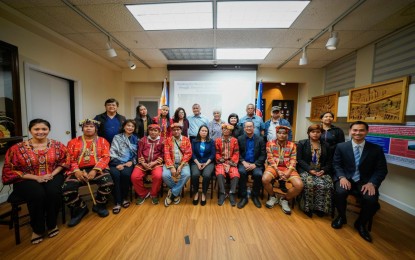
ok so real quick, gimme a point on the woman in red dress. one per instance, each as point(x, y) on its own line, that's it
point(35, 168)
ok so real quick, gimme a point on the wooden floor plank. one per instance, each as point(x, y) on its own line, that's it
point(155, 232)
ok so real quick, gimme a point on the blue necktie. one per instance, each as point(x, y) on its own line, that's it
point(356, 175)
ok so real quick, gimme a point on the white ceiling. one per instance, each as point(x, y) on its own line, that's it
point(372, 20)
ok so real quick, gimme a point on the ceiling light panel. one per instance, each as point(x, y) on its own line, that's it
point(242, 54)
point(173, 16)
point(259, 14)
point(188, 54)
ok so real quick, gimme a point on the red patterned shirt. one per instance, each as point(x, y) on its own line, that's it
point(282, 155)
point(185, 151)
point(22, 159)
point(88, 153)
point(227, 151)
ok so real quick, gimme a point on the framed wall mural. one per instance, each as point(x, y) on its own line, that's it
point(383, 102)
point(322, 104)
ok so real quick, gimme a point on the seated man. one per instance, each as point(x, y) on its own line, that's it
point(177, 153)
point(227, 157)
point(89, 156)
point(150, 160)
point(281, 157)
point(251, 160)
point(359, 166)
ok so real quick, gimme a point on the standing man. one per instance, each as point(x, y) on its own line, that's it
point(257, 120)
point(110, 120)
point(89, 156)
point(177, 154)
point(273, 122)
point(196, 121)
point(252, 157)
point(359, 166)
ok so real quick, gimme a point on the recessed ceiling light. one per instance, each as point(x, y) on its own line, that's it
point(173, 16)
point(258, 14)
point(242, 54)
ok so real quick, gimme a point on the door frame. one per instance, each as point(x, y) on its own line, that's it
point(76, 96)
point(137, 99)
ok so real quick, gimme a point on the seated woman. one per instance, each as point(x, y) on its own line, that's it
point(314, 164)
point(123, 154)
point(203, 158)
point(180, 118)
point(238, 130)
point(35, 168)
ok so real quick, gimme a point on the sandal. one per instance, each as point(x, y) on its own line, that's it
point(125, 204)
point(53, 232)
point(116, 209)
point(36, 240)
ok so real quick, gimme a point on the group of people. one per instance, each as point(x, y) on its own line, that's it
point(116, 153)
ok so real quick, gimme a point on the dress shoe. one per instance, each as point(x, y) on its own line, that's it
point(232, 199)
point(78, 214)
point(256, 201)
point(338, 222)
point(242, 203)
point(203, 202)
point(101, 210)
point(319, 213)
point(362, 231)
point(309, 213)
point(195, 201)
point(221, 199)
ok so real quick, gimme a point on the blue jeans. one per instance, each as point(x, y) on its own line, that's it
point(176, 188)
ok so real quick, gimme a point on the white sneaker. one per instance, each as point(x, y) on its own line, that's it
point(271, 202)
point(168, 199)
point(285, 207)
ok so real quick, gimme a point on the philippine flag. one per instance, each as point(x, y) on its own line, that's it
point(259, 100)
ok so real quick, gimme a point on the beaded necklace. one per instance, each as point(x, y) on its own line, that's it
point(87, 152)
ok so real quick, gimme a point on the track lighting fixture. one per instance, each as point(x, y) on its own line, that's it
point(333, 40)
point(303, 59)
point(110, 51)
point(131, 64)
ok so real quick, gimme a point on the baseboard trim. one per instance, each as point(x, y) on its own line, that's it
point(396, 203)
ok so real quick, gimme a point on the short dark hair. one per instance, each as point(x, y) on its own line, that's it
point(35, 121)
point(359, 123)
point(132, 121)
point(233, 115)
point(328, 112)
point(111, 100)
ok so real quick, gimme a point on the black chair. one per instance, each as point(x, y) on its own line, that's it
point(16, 203)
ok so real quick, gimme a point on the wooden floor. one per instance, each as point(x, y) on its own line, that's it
point(155, 232)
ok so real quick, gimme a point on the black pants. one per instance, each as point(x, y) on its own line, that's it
point(369, 204)
point(71, 186)
point(43, 201)
point(256, 175)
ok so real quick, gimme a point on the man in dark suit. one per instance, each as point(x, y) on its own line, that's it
point(252, 156)
point(359, 166)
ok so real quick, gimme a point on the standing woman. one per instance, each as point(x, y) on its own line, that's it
point(332, 134)
point(142, 120)
point(164, 121)
point(233, 119)
point(35, 168)
point(215, 126)
point(123, 154)
point(314, 163)
point(180, 118)
point(203, 158)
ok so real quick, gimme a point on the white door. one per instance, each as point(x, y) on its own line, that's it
point(48, 97)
